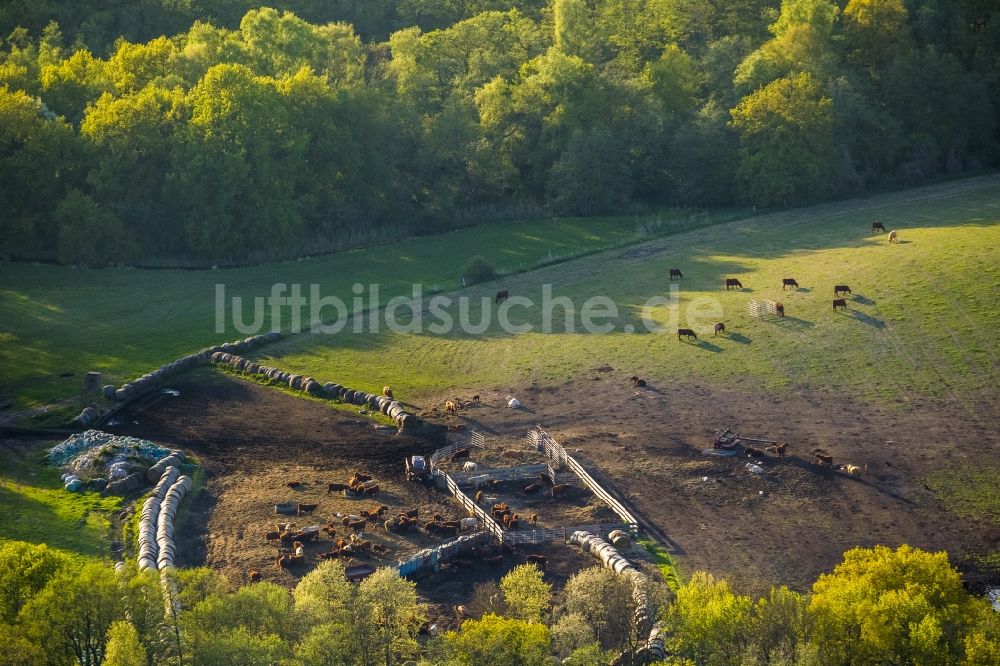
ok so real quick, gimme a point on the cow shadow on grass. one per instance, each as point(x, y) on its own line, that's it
point(707, 346)
point(801, 290)
point(867, 319)
point(739, 338)
point(862, 300)
point(794, 323)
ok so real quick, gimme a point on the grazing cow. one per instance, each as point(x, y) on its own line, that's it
point(780, 309)
point(387, 392)
point(789, 282)
point(686, 332)
point(560, 489)
point(305, 508)
point(451, 406)
point(754, 452)
point(841, 289)
point(533, 518)
point(475, 398)
point(877, 226)
point(469, 466)
point(272, 536)
point(824, 460)
point(537, 560)
point(502, 296)
point(675, 273)
point(893, 237)
point(533, 488)
point(461, 453)
point(358, 477)
point(733, 282)
point(254, 576)
point(335, 487)
point(778, 449)
point(294, 484)
point(839, 303)
point(719, 328)
point(636, 382)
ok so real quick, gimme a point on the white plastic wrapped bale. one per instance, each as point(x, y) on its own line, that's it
point(155, 472)
point(165, 521)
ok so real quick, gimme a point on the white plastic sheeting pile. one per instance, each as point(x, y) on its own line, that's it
point(612, 559)
point(156, 524)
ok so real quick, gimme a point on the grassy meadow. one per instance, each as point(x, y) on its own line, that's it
point(56, 323)
point(920, 323)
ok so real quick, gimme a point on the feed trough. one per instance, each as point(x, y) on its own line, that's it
point(358, 572)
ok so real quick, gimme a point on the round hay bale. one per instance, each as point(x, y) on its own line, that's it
point(295, 382)
point(108, 391)
point(348, 396)
point(406, 421)
point(272, 336)
point(620, 539)
point(372, 401)
point(312, 388)
point(306, 380)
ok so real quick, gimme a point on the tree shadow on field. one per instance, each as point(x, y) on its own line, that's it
point(793, 323)
point(867, 319)
point(739, 338)
point(863, 300)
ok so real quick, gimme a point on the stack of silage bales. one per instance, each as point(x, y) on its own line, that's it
point(165, 523)
point(148, 522)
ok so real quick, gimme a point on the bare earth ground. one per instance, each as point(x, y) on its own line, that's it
point(252, 441)
point(786, 527)
point(796, 521)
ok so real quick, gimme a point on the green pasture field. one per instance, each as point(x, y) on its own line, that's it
point(921, 322)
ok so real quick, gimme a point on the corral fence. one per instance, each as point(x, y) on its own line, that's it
point(432, 557)
point(516, 473)
point(474, 440)
point(760, 308)
point(540, 440)
point(544, 535)
point(489, 525)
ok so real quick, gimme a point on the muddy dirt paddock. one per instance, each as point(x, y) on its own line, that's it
point(787, 525)
point(253, 441)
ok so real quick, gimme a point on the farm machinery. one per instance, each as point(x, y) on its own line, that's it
point(729, 439)
point(417, 469)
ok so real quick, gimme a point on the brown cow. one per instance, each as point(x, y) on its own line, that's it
point(734, 283)
point(479, 496)
point(533, 518)
point(778, 449)
point(537, 560)
point(840, 303)
point(335, 487)
point(788, 282)
point(254, 576)
point(636, 382)
point(560, 489)
point(824, 460)
point(719, 328)
point(272, 536)
point(780, 309)
point(387, 392)
point(686, 332)
point(475, 398)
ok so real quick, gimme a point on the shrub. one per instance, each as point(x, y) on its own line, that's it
point(478, 270)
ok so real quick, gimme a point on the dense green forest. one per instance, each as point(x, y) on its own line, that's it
point(211, 132)
point(879, 606)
